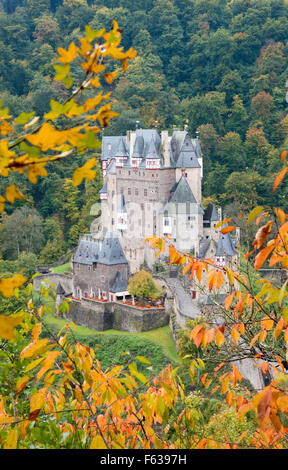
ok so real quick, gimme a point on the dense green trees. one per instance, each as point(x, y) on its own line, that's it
point(223, 65)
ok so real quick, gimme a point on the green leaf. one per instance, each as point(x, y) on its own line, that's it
point(24, 117)
point(254, 213)
point(61, 71)
point(91, 34)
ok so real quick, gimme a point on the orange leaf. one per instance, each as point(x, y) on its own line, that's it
point(235, 334)
point(228, 300)
point(280, 178)
point(227, 229)
point(283, 155)
point(282, 402)
point(219, 338)
point(262, 256)
point(261, 235)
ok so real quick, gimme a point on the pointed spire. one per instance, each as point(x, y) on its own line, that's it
point(138, 147)
point(121, 149)
point(152, 151)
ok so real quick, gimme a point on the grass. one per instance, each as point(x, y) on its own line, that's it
point(161, 338)
point(61, 269)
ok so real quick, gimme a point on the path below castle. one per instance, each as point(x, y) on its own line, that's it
point(188, 308)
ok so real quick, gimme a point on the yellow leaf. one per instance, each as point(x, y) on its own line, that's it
point(98, 443)
point(37, 400)
point(11, 440)
point(7, 325)
point(34, 349)
point(36, 332)
point(21, 383)
point(12, 193)
point(34, 171)
point(84, 172)
point(67, 56)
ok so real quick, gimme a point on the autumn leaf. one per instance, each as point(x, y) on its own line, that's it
point(280, 178)
point(7, 325)
point(84, 172)
point(11, 440)
point(12, 193)
point(67, 56)
point(227, 229)
point(261, 235)
point(253, 214)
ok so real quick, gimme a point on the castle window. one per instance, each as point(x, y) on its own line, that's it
point(142, 207)
point(193, 293)
point(145, 192)
point(121, 191)
point(129, 191)
point(136, 192)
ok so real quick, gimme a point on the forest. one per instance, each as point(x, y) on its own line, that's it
point(219, 67)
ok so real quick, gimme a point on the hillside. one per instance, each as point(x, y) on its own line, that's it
point(221, 65)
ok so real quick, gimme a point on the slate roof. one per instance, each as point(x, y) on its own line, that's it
point(109, 141)
point(151, 140)
point(121, 150)
point(120, 283)
point(152, 151)
point(225, 245)
point(182, 199)
point(87, 252)
point(111, 251)
point(138, 147)
point(187, 157)
point(111, 170)
point(197, 146)
point(182, 192)
point(103, 190)
point(210, 213)
point(108, 251)
point(204, 245)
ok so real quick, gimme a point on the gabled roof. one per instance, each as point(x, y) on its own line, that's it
point(109, 147)
point(225, 246)
point(176, 144)
point(87, 252)
point(187, 157)
point(182, 200)
point(138, 147)
point(111, 251)
point(182, 192)
point(210, 213)
point(121, 150)
point(152, 151)
point(120, 283)
point(204, 246)
point(148, 135)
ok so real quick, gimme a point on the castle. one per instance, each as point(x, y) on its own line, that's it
point(152, 187)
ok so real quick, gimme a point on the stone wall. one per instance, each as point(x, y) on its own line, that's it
point(102, 316)
point(53, 279)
